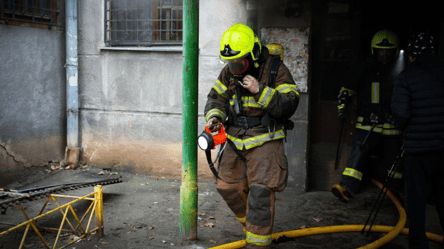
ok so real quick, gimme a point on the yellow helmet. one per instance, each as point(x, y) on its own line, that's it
point(385, 39)
point(240, 47)
point(385, 45)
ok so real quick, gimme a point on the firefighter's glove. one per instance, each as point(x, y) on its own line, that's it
point(251, 84)
point(343, 97)
point(214, 124)
point(343, 100)
point(341, 112)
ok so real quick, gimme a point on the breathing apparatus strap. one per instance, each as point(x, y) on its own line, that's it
point(211, 163)
point(274, 67)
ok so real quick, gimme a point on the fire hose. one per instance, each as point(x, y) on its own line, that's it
point(391, 231)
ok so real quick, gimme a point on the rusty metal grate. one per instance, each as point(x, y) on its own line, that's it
point(17, 12)
point(78, 226)
point(10, 198)
point(143, 22)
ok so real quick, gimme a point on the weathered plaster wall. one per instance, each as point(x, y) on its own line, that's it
point(131, 103)
point(295, 44)
point(32, 98)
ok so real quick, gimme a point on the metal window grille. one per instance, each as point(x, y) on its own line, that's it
point(143, 22)
point(30, 11)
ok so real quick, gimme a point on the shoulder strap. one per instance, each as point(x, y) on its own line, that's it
point(274, 67)
point(211, 163)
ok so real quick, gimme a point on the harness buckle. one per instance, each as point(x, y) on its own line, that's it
point(242, 121)
point(274, 129)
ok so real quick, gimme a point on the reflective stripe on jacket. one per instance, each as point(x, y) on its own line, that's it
point(279, 102)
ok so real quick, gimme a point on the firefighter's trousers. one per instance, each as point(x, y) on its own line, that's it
point(375, 158)
point(249, 187)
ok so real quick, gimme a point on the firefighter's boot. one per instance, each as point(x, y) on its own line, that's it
point(342, 193)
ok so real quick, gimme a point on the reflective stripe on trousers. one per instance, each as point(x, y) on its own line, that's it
point(353, 173)
point(258, 240)
point(386, 129)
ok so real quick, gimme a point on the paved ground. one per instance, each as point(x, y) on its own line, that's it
point(143, 212)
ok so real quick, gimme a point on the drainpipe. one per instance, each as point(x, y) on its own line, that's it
point(72, 97)
point(188, 189)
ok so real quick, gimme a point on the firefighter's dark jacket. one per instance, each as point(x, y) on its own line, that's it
point(373, 82)
point(418, 105)
point(279, 102)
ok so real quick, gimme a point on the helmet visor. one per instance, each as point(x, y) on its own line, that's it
point(385, 55)
point(239, 65)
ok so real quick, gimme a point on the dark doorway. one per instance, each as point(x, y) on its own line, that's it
point(341, 32)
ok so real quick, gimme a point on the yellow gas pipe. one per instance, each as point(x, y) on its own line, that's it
point(392, 232)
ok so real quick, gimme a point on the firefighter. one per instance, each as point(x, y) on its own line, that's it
point(376, 141)
point(253, 165)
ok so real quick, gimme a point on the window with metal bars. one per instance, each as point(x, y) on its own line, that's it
point(143, 22)
point(33, 13)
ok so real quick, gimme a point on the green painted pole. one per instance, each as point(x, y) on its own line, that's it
point(188, 189)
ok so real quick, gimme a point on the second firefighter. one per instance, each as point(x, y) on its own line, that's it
point(376, 142)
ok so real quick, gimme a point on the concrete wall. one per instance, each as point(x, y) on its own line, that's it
point(130, 102)
point(32, 99)
point(131, 98)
